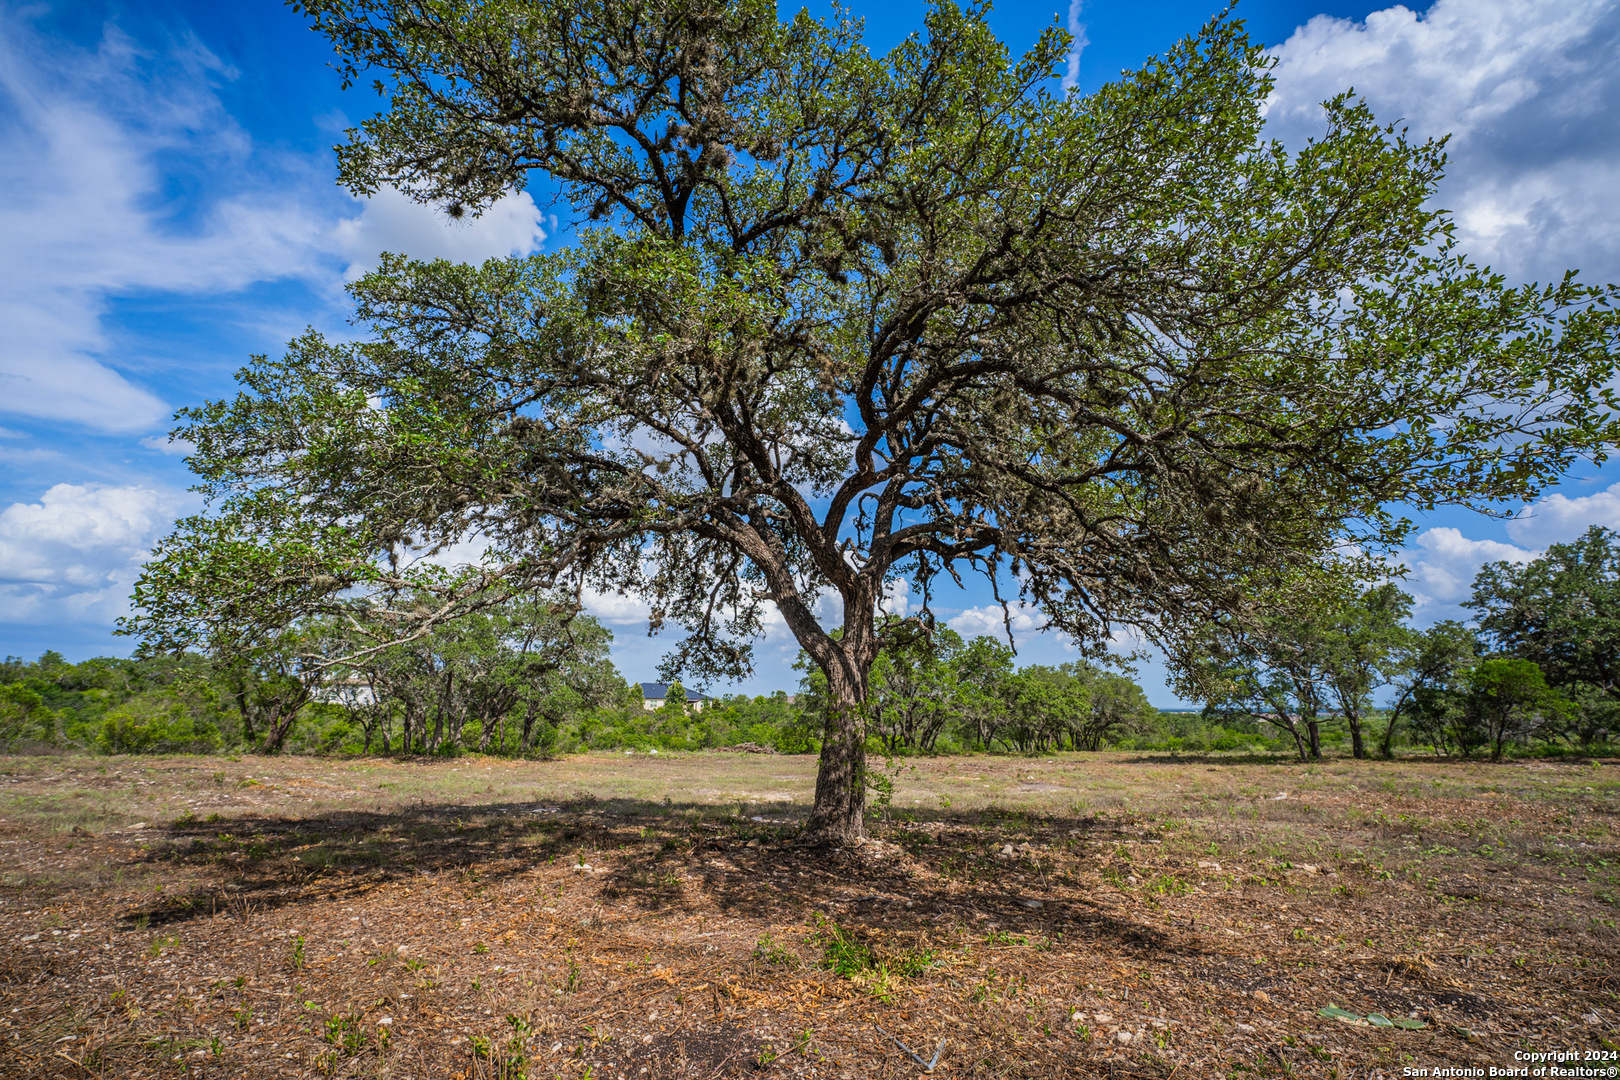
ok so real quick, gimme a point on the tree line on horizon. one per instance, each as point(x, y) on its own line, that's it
point(1540, 664)
point(532, 677)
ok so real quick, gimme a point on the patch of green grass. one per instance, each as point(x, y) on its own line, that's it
point(771, 953)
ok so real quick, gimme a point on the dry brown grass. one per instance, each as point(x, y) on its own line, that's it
point(1153, 917)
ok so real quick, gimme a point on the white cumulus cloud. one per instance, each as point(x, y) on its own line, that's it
point(1526, 88)
point(990, 620)
point(392, 221)
point(75, 554)
point(1558, 519)
point(1441, 568)
point(616, 609)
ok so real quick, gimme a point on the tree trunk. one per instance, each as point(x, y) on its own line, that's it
point(249, 736)
point(280, 725)
point(438, 717)
point(839, 815)
point(1313, 730)
point(1386, 742)
point(1358, 749)
point(528, 728)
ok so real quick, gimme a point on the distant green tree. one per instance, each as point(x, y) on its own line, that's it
point(1429, 673)
point(24, 716)
point(1508, 700)
point(915, 692)
point(1365, 643)
point(984, 669)
point(1562, 613)
point(1116, 706)
point(1045, 706)
point(271, 676)
point(1275, 668)
point(532, 660)
point(1304, 661)
point(173, 720)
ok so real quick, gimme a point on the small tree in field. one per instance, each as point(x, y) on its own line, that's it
point(830, 320)
point(1508, 700)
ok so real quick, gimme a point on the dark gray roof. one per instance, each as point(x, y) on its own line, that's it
point(659, 691)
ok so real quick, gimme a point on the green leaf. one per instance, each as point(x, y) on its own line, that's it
point(1336, 1013)
point(1379, 1020)
point(1410, 1025)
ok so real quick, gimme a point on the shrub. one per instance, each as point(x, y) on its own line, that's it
point(158, 723)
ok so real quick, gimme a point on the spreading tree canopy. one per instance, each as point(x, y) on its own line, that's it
point(829, 319)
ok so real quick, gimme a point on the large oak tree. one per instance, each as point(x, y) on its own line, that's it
point(830, 319)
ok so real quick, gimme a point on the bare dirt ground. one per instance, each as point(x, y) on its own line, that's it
point(633, 917)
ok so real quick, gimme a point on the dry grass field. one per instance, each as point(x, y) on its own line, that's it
point(632, 917)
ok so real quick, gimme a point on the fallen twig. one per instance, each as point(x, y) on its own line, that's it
point(927, 1066)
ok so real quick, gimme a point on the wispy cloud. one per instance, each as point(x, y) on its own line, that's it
point(86, 218)
point(1077, 44)
point(94, 139)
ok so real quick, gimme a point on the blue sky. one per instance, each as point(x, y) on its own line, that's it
point(169, 209)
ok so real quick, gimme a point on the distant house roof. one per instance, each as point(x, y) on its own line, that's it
point(659, 691)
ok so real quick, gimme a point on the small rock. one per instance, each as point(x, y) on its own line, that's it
point(583, 868)
point(1123, 1037)
point(1247, 1029)
point(652, 751)
point(1262, 997)
point(385, 1020)
point(1105, 1018)
point(1131, 878)
point(1007, 849)
point(1203, 865)
point(1591, 1018)
point(1077, 1016)
point(1279, 796)
point(1309, 869)
point(1033, 905)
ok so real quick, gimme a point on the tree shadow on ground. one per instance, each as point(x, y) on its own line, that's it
point(989, 870)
